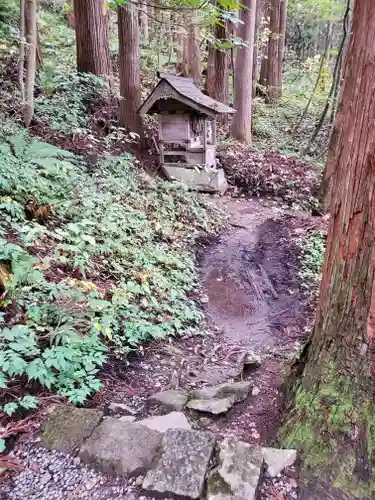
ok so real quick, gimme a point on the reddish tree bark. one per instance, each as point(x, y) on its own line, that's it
point(217, 81)
point(273, 84)
point(335, 398)
point(130, 74)
point(92, 37)
point(241, 125)
point(191, 51)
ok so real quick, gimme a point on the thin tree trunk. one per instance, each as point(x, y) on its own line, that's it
point(273, 84)
point(323, 60)
point(193, 52)
point(21, 64)
point(130, 74)
point(143, 18)
point(281, 46)
point(256, 45)
point(241, 126)
point(335, 74)
point(210, 78)
point(332, 420)
point(219, 90)
point(31, 38)
point(92, 37)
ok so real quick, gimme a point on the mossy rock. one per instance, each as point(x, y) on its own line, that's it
point(67, 427)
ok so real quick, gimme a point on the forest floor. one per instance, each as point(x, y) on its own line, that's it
point(253, 300)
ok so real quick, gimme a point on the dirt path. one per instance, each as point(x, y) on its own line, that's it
point(252, 301)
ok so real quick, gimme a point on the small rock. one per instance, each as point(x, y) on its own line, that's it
point(276, 460)
point(139, 481)
point(91, 483)
point(238, 473)
point(238, 390)
point(172, 400)
point(45, 478)
point(173, 420)
point(127, 418)
point(252, 360)
point(121, 408)
point(215, 406)
point(255, 391)
point(76, 461)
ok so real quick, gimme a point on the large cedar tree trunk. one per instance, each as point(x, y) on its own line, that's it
point(92, 37)
point(243, 75)
point(333, 417)
point(130, 73)
point(273, 84)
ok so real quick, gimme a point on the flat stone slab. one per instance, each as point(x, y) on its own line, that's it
point(207, 180)
point(121, 448)
point(67, 427)
point(181, 467)
point(214, 406)
point(276, 460)
point(239, 472)
point(239, 391)
point(173, 420)
point(172, 400)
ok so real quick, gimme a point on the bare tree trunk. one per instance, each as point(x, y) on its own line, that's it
point(219, 88)
point(273, 83)
point(210, 79)
point(241, 126)
point(31, 38)
point(192, 52)
point(256, 45)
point(71, 18)
point(92, 37)
point(281, 46)
point(143, 19)
point(130, 74)
point(21, 64)
point(323, 60)
point(332, 419)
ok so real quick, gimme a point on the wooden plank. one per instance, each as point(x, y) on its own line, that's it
point(175, 153)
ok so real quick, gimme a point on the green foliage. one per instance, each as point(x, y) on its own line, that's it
point(112, 264)
point(66, 110)
point(8, 16)
point(312, 254)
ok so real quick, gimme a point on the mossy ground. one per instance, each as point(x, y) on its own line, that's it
point(332, 424)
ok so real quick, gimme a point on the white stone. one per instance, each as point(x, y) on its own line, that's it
point(276, 460)
point(173, 420)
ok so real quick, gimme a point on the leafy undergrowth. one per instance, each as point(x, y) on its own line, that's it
point(312, 247)
point(258, 173)
point(90, 263)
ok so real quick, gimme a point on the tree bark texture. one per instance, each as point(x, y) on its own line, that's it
point(218, 84)
point(256, 44)
point(143, 21)
point(192, 54)
point(31, 59)
point(281, 46)
point(243, 75)
point(130, 74)
point(92, 40)
point(273, 83)
point(335, 398)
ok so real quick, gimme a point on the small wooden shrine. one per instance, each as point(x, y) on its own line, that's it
point(187, 125)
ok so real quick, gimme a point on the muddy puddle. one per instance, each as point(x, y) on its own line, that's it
point(249, 281)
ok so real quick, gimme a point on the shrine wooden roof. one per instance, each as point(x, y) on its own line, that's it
point(182, 90)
